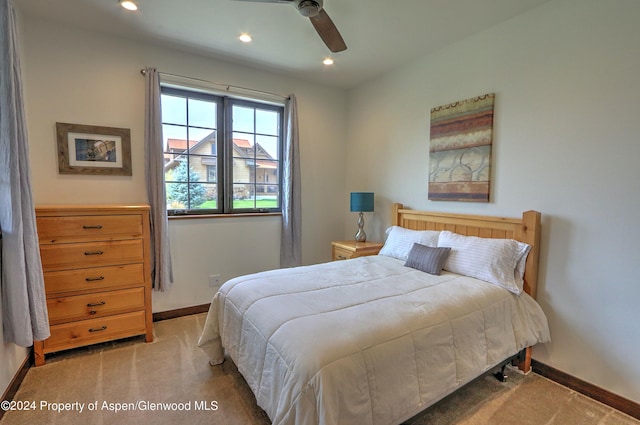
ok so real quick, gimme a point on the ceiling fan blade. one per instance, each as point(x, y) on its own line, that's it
point(328, 32)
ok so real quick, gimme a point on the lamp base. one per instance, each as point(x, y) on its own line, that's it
point(361, 236)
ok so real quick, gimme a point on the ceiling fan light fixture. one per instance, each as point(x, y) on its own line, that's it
point(245, 38)
point(328, 61)
point(128, 4)
point(309, 8)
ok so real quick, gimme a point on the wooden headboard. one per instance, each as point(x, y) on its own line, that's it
point(525, 229)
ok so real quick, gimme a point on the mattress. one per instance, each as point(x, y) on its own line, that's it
point(363, 341)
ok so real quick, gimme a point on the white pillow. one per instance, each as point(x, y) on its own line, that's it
point(497, 261)
point(400, 241)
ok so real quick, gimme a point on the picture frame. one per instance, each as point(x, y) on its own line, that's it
point(93, 150)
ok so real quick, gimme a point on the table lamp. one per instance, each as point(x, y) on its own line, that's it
point(361, 202)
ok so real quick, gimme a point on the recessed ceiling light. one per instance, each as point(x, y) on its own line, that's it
point(245, 38)
point(129, 4)
point(327, 61)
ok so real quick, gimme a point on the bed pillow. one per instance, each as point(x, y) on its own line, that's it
point(400, 241)
point(497, 261)
point(427, 259)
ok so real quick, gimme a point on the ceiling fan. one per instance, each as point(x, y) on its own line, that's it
point(323, 24)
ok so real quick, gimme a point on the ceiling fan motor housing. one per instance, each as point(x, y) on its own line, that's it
point(309, 8)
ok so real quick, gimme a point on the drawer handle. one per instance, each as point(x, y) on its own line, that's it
point(102, 328)
point(93, 279)
point(95, 226)
point(96, 304)
point(93, 253)
point(341, 257)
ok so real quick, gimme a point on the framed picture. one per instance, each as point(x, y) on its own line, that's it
point(93, 150)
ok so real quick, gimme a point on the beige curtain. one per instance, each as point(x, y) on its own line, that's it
point(162, 269)
point(291, 237)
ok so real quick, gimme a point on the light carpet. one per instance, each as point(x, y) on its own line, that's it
point(169, 381)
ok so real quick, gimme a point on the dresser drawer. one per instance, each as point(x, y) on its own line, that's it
point(91, 254)
point(83, 227)
point(341, 253)
point(70, 335)
point(93, 279)
point(89, 306)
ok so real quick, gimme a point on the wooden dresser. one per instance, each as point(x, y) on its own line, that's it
point(97, 274)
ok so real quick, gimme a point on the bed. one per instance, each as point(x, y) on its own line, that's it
point(376, 340)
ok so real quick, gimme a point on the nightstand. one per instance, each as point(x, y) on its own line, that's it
point(344, 250)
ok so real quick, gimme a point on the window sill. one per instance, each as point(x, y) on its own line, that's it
point(196, 216)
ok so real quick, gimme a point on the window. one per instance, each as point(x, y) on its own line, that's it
point(221, 155)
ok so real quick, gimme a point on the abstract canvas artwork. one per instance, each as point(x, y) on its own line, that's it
point(460, 150)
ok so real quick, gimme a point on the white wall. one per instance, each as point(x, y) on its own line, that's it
point(82, 77)
point(567, 119)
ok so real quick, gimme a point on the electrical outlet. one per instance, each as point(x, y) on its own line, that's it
point(214, 280)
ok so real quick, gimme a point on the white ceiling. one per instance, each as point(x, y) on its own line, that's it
point(380, 34)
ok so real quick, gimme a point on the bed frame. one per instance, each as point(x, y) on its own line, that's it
point(525, 229)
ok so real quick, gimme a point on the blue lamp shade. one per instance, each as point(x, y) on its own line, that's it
point(361, 201)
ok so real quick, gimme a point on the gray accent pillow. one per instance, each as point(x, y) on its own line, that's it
point(427, 259)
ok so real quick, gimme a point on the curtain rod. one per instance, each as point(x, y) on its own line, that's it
point(227, 86)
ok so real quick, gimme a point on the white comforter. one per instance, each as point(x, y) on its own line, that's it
point(363, 341)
